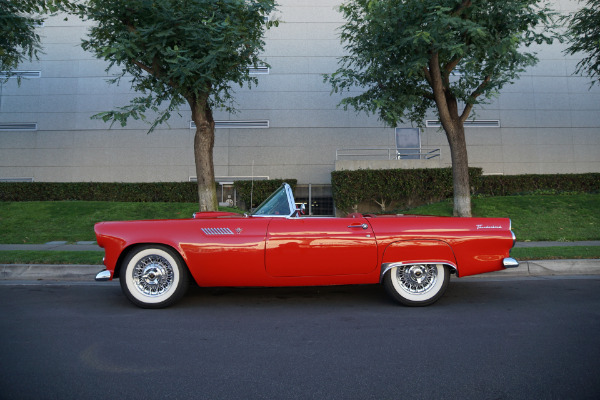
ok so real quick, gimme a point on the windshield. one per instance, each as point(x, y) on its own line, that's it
point(277, 204)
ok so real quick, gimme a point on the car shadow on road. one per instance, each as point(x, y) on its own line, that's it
point(458, 293)
point(315, 295)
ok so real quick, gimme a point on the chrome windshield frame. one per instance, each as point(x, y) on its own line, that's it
point(283, 189)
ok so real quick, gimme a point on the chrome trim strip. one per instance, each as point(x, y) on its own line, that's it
point(385, 267)
point(290, 197)
point(510, 263)
point(514, 237)
point(104, 275)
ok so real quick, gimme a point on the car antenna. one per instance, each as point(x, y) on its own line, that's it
point(252, 185)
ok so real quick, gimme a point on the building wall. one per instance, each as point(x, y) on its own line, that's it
point(549, 119)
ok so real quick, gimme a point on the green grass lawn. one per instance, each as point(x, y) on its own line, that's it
point(564, 218)
point(41, 222)
point(535, 218)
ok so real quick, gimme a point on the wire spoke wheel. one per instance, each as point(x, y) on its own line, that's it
point(417, 279)
point(417, 284)
point(153, 276)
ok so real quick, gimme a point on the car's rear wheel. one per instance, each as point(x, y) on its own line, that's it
point(418, 284)
point(153, 276)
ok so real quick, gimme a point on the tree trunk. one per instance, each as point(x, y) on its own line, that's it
point(460, 170)
point(453, 125)
point(204, 141)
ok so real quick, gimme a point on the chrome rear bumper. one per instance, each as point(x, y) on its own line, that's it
point(510, 263)
point(104, 275)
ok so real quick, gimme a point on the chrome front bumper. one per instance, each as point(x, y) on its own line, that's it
point(104, 275)
point(510, 263)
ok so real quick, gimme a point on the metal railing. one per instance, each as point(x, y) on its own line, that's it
point(387, 153)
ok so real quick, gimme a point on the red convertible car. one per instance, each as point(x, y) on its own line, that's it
point(412, 256)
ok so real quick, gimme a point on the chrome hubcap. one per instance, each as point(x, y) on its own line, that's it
point(153, 275)
point(417, 279)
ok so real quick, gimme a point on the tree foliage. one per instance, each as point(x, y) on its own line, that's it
point(409, 56)
point(19, 42)
point(176, 50)
point(180, 51)
point(479, 47)
point(584, 36)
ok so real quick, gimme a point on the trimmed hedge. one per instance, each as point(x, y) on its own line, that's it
point(178, 192)
point(404, 188)
point(506, 185)
point(400, 187)
point(169, 192)
point(260, 190)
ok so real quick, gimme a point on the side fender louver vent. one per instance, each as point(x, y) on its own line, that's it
point(217, 231)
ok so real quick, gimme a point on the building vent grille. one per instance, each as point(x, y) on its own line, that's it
point(229, 179)
point(18, 127)
point(259, 70)
point(16, 179)
point(249, 124)
point(477, 123)
point(21, 74)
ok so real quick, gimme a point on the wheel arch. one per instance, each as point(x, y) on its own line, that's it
point(418, 251)
point(386, 267)
point(131, 247)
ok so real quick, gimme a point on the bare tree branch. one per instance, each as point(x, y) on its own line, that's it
point(451, 65)
point(427, 75)
point(476, 93)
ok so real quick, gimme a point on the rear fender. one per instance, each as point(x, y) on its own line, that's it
point(408, 252)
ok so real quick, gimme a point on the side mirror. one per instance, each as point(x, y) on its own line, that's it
point(300, 210)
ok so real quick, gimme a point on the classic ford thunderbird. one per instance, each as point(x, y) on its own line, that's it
point(411, 256)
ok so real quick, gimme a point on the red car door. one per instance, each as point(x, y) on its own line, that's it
point(320, 247)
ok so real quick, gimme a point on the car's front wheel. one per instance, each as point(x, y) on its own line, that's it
point(418, 284)
point(153, 276)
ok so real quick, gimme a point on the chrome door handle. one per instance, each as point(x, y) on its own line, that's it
point(363, 226)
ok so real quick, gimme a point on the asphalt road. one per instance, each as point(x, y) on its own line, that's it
point(518, 338)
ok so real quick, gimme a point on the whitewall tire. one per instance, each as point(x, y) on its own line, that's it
point(417, 285)
point(153, 276)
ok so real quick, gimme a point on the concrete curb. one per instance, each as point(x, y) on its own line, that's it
point(63, 272)
point(51, 272)
point(563, 267)
point(548, 268)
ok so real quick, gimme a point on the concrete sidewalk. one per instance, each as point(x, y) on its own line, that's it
point(49, 272)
